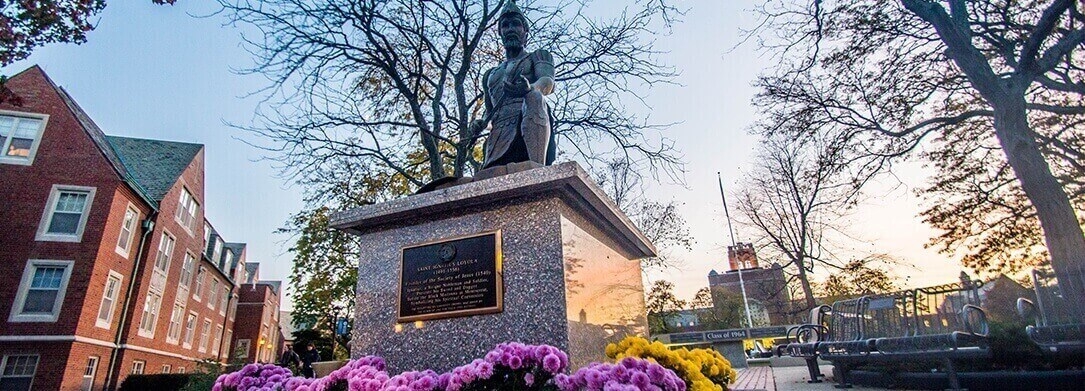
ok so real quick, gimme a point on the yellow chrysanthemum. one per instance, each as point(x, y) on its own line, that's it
point(701, 369)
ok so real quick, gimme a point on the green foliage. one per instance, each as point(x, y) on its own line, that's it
point(321, 342)
point(158, 382)
point(203, 378)
point(662, 306)
point(858, 277)
point(325, 267)
point(507, 379)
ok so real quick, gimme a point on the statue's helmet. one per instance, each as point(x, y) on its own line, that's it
point(511, 10)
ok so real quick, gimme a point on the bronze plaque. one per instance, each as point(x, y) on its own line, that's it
point(451, 278)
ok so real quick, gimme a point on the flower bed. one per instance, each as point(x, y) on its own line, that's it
point(509, 366)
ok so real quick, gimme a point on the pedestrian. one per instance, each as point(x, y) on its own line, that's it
point(308, 357)
point(290, 359)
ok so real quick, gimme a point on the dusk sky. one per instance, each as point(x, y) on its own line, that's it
point(159, 72)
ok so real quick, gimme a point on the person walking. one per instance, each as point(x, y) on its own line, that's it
point(290, 359)
point(308, 357)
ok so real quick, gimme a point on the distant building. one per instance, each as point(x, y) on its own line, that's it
point(108, 266)
point(257, 341)
point(766, 288)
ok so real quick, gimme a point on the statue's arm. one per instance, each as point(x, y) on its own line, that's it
point(488, 105)
point(544, 72)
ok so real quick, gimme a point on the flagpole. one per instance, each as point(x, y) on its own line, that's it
point(741, 282)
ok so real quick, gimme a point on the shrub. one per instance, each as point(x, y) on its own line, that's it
point(700, 369)
point(158, 382)
point(508, 367)
point(632, 374)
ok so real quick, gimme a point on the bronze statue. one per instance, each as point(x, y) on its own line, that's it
point(514, 92)
point(521, 135)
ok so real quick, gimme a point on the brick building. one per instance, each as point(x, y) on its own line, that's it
point(766, 287)
point(107, 264)
point(257, 341)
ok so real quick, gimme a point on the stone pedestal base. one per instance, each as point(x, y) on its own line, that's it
point(570, 269)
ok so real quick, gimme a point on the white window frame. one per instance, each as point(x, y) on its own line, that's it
point(212, 293)
point(188, 269)
point(217, 342)
point(217, 252)
point(33, 373)
point(176, 327)
point(43, 234)
point(205, 336)
point(88, 380)
point(163, 272)
point(166, 368)
point(107, 323)
point(191, 209)
point(181, 370)
point(223, 299)
point(131, 211)
point(190, 332)
point(233, 307)
point(200, 274)
point(229, 343)
point(147, 330)
point(138, 366)
point(206, 237)
point(4, 141)
point(242, 353)
point(24, 287)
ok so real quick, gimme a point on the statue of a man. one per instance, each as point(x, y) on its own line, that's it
point(514, 92)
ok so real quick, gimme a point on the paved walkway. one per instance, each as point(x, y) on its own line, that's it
point(754, 379)
point(765, 378)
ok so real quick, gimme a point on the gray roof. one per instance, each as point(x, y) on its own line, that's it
point(154, 164)
point(97, 136)
point(238, 249)
point(275, 285)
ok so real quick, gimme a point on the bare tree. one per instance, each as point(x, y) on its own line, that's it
point(660, 222)
point(893, 73)
point(378, 79)
point(793, 198)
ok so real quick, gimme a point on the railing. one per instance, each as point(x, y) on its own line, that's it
point(1059, 317)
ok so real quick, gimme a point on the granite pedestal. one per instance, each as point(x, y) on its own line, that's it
point(569, 262)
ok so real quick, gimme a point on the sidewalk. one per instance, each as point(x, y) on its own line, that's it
point(765, 378)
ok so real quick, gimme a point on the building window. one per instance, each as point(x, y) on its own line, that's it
point(180, 369)
point(190, 329)
point(65, 214)
point(149, 319)
point(205, 335)
point(186, 270)
point(225, 296)
point(212, 293)
point(217, 252)
point(19, 138)
point(229, 341)
point(166, 368)
point(128, 230)
point(162, 262)
point(233, 308)
point(186, 210)
point(109, 300)
point(88, 373)
point(218, 341)
point(18, 372)
point(199, 285)
point(41, 292)
point(206, 237)
point(242, 349)
point(173, 334)
point(137, 367)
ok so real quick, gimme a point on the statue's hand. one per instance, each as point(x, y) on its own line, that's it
point(517, 87)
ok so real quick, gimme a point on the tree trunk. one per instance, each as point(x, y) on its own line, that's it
point(1062, 232)
point(805, 281)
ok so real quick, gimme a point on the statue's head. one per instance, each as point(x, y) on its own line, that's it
point(513, 26)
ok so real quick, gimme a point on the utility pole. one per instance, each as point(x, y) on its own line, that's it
point(741, 282)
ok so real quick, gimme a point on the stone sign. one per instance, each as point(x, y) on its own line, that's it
point(451, 278)
point(726, 335)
